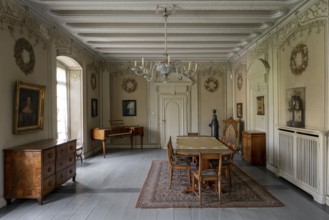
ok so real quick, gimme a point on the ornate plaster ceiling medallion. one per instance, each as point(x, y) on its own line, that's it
point(211, 84)
point(129, 85)
point(240, 81)
point(24, 55)
point(299, 59)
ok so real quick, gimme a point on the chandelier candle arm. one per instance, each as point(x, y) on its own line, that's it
point(165, 67)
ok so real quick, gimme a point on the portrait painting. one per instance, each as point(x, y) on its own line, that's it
point(29, 107)
point(239, 110)
point(260, 105)
point(94, 108)
point(129, 107)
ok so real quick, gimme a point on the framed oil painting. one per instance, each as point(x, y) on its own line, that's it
point(129, 107)
point(94, 107)
point(239, 110)
point(29, 107)
point(260, 105)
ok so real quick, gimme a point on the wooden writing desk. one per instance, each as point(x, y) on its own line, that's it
point(116, 130)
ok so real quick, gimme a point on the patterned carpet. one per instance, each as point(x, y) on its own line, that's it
point(244, 193)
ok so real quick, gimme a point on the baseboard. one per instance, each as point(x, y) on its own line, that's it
point(3, 202)
point(113, 146)
point(271, 168)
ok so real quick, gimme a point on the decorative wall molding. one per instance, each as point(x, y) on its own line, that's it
point(318, 11)
point(19, 19)
point(75, 74)
point(312, 19)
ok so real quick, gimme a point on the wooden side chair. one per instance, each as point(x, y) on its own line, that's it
point(193, 134)
point(204, 173)
point(79, 152)
point(231, 132)
point(177, 163)
point(227, 163)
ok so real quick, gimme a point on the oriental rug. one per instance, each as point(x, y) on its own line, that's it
point(245, 192)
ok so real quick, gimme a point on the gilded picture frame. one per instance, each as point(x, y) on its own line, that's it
point(29, 107)
point(260, 105)
point(239, 110)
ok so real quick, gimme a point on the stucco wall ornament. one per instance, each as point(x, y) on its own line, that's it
point(24, 55)
point(240, 81)
point(211, 84)
point(299, 59)
point(129, 85)
point(93, 81)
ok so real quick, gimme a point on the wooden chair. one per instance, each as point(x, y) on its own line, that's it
point(206, 174)
point(194, 159)
point(231, 132)
point(193, 134)
point(227, 163)
point(177, 163)
point(79, 152)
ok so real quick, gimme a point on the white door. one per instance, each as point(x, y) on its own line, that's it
point(172, 118)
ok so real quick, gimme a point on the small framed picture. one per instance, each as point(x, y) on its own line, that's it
point(129, 107)
point(239, 110)
point(29, 107)
point(94, 108)
point(260, 105)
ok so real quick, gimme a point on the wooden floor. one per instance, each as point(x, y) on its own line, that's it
point(108, 189)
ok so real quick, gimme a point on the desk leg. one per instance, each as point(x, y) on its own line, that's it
point(131, 141)
point(104, 149)
point(142, 141)
point(93, 146)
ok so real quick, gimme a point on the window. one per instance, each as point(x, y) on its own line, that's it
point(62, 106)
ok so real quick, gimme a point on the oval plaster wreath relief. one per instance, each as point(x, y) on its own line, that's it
point(299, 59)
point(93, 81)
point(24, 55)
point(240, 81)
point(129, 85)
point(211, 84)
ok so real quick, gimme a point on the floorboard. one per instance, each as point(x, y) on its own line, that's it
point(108, 188)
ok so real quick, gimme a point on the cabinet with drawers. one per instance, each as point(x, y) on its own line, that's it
point(254, 147)
point(35, 169)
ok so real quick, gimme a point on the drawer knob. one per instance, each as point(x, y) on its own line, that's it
point(49, 183)
point(49, 169)
point(50, 155)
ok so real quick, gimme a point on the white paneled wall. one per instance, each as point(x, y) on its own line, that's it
point(303, 160)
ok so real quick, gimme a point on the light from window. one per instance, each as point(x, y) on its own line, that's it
point(62, 110)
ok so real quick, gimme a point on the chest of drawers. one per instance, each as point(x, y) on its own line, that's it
point(35, 169)
point(254, 147)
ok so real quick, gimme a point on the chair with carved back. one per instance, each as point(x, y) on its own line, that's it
point(193, 134)
point(205, 173)
point(177, 163)
point(231, 132)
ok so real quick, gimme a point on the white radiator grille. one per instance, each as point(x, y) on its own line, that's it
point(303, 159)
point(307, 158)
point(286, 146)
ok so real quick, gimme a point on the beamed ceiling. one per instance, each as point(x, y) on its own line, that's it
point(196, 30)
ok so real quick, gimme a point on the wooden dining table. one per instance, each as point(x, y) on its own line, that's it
point(193, 145)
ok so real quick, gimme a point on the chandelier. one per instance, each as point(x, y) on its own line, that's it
point(165, 66)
